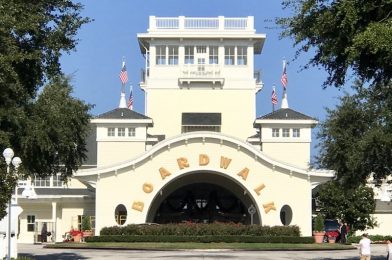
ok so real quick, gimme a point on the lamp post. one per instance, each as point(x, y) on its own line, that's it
point(16, 161)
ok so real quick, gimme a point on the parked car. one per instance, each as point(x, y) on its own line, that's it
point(332, 229)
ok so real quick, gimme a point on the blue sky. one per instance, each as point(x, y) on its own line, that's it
point(96, 64)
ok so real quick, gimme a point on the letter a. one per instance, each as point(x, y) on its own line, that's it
point(164, 173)
point(244, 173)
point(224, 163)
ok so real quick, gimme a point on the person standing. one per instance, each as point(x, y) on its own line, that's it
point(343, 233)
point(364, 247)
point(44, 233)
point(389, 250)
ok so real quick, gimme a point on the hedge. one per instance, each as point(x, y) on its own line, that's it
point(198, 229)
point(201, 239)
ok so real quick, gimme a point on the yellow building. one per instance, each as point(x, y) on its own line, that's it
point(198, 154)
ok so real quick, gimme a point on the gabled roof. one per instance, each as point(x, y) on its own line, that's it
point(286, 114)
point(121, 113)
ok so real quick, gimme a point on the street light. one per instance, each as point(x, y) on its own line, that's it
point(16, 161)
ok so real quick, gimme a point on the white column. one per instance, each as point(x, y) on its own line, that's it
point(54, 220)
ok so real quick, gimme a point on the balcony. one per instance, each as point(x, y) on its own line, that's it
point(220, 23)
point(201, 73)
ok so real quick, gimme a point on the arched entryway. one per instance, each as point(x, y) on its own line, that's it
point(202, 197)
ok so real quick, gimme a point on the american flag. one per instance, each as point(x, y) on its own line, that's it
point(284, 76)
point(130, 101)
point(274, 97)
point(123, 74)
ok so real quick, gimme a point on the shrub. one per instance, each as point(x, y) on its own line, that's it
point(197, 229)
point(319, 223)
point(86, 223)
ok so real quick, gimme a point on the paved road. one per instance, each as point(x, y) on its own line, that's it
point(39, 253)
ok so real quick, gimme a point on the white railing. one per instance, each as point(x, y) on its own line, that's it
point(166, 23)
point(201, 23)
point(236, 23)
point(201, 71)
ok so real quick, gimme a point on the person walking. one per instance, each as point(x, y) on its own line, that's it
point(364, 247)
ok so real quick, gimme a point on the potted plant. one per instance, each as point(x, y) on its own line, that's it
point(332, 236)
point(86, 226)
point(76, 235)
point(318, 232)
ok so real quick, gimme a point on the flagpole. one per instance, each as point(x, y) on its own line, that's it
point(124, 79)
point(123, 82)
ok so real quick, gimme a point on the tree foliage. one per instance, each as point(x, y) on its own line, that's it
point(354, 206)
point(346, 35)
point(48, 129)
point(356, 137)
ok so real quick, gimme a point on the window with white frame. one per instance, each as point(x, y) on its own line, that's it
point(229, 55)
point(42, 182)
point(131, 131)
point(201, 49)
point(111, 131)
point(121, 131)
point(286, 132)
point(213, 55)
point(189, 54)
point(160, 55)
point(173, 55)
point(57, 182)
point(275, 132)
point(30, 223)
point(296, 132)
point(242, 57)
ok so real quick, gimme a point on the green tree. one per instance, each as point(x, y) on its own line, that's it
point(346, 35)
point(33, 36)
point(354, 205)
point(356, 137)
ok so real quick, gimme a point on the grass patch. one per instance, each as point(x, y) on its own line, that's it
point(181, 246)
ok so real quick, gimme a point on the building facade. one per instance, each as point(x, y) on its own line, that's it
point(199, 153)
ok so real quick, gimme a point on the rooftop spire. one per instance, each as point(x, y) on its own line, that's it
point(285, 102)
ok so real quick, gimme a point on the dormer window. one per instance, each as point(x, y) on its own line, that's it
point(275, 132)
point(286, 132)
point(131, 131)
point(111, 131)
point(296, 132)
point(121, 131)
